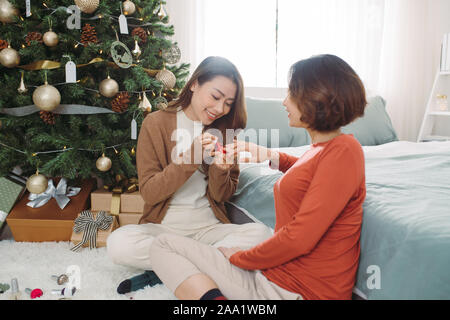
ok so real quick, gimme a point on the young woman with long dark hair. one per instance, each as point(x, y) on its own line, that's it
point(184, 194)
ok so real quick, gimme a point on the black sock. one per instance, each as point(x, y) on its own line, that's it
point(148, 278)
point(213, 294)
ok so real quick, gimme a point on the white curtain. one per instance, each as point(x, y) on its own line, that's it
point(350, 29)
point(188, 20)
point(398, 61)
point(406, 72)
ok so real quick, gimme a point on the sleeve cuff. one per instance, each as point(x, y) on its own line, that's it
point(275, 163)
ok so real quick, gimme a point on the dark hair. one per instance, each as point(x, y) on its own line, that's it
point(207, 70)
point(328, 92)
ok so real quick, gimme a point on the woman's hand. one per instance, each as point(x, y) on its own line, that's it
point(258, 153)
point(225, 156)
point(228, 252)
point(203, 145)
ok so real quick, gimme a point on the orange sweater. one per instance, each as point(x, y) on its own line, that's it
point(318, 204)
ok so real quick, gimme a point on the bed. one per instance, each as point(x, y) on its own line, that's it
point(405, 235)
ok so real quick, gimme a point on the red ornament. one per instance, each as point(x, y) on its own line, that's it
point(36, 293)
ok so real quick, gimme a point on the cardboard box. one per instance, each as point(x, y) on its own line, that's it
point(49, 222)
point(102, 235)
point(129, 218)
point(129, 202)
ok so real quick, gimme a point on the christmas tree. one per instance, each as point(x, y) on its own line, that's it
point(77, 78)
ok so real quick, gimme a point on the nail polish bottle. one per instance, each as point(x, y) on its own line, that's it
point(15, 293)
point(65, 292)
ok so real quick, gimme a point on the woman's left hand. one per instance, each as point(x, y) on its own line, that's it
point(228, 252)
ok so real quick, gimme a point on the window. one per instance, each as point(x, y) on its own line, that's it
point(265, 37)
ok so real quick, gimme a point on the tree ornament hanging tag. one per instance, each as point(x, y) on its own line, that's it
point(123, 24)
point(71, 72)
point(28, 8)
point(74, 20)
point(133, 129)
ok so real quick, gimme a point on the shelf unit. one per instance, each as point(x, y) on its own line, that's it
point(427, 130)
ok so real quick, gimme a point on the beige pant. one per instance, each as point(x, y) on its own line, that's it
point(176, 258)
point(130, 245)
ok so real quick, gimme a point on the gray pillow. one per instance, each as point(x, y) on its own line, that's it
point(267, 117)
point(375, 127)
point(264, 115)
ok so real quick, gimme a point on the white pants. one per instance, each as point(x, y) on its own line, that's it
point(177, 258)
point(130, 245)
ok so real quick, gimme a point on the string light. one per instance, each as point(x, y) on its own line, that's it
point(34, 154)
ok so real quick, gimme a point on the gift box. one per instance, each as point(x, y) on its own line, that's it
point(12, 188)
point(129, 218)
point(48, 222)
point(115, 203)
point(92, 230)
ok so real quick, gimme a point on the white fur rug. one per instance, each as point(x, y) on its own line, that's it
point(33, 264)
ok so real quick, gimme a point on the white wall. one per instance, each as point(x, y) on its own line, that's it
point(438, 24)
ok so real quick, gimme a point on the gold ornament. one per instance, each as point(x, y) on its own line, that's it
point(145, 105)
point(46, 97)
point(22, 88)
point(161, 103)
point(9, 57)
point(37, 183)
point(109, 87)
point(136, 51)
point(103, 163)
point(133, 151)
point(128, 8)
point(7, 12)
point(161, 12)
point(167, 78)
point(50, 38)
point(87, 6)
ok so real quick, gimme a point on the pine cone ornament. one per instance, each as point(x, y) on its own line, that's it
point(3, 44)
point(47, 117)
point(89, 35)
point(33, 36)
point(120, 102)
point(141, 33)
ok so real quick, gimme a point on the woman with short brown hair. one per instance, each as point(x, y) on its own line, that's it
point(314, 252)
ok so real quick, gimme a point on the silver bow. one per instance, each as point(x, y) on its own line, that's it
point(61, 194)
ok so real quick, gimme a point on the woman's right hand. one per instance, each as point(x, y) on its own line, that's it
point(258, 153)
point(208, 143)
point(203, 145)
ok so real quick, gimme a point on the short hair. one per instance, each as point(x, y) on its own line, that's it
point(328, 92)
